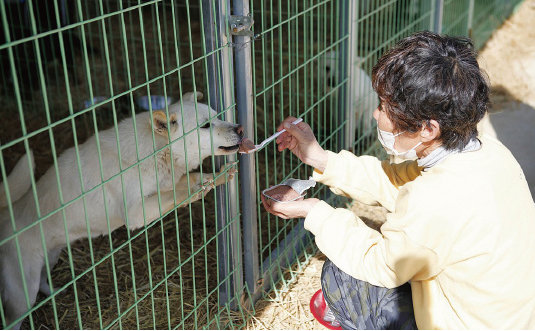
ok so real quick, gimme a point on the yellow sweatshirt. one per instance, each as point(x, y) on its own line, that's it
point(462, 232)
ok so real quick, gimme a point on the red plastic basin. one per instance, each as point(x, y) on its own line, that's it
point(318, 308)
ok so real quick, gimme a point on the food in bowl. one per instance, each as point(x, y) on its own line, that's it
point(282, 193)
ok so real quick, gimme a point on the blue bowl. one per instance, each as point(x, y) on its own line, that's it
point(157, 102)
point(88, 103)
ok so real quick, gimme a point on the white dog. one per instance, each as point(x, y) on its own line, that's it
point(129, 198)
point(364, 99)
point(18, 180)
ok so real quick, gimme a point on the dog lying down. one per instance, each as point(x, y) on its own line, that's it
point(105, 204)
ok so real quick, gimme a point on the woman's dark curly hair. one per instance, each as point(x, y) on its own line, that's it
point(431, 77)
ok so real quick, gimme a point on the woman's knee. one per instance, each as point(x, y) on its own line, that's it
point(330, 275)
point(358, 304)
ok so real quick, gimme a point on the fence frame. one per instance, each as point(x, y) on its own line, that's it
point(244, 104)
point(261, 279)
point(215, 18)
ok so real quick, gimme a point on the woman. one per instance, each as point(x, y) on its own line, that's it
point(456, 250)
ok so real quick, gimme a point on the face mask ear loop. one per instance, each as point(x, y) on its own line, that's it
point(414, 148)
point(389, 143)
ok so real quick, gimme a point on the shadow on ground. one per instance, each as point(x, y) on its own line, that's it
point(514, 123)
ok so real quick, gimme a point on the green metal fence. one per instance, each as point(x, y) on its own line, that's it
point(72, 69)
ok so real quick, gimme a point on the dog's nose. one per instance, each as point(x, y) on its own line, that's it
point(239, 130)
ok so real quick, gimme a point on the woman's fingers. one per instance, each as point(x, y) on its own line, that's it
point(292, 144)
point(283, 137)
point(295, 134)
point(288, 119)
point(282, 144)
point(286, 141)
point(286, 210)
point(268, 206)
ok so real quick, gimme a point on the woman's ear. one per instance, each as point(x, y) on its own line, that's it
point(431, 131)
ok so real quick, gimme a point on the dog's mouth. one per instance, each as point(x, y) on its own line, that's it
point(230, 148)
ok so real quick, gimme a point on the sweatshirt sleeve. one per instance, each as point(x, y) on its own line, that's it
point(388, 259)
point(358, 177)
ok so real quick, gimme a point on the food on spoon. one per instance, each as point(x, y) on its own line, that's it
point(246, 145)
point(282, 193)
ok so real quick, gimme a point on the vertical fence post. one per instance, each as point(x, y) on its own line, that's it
point(432, 16)
point(352, 53)
point(439, 11)
point(344, 101)
point(244, 104)
point(470, 19)
point(215, 14)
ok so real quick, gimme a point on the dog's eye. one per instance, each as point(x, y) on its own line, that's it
point(206, 126)
point(174, 122)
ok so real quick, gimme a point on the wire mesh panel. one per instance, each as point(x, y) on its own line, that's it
point(475, 18)
point(488, 16)
point(292, 45)
point(103, 94)
point(377, 26)
point(455, 17)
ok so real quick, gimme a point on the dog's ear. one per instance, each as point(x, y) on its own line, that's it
point(190, 96)
point(159, 123)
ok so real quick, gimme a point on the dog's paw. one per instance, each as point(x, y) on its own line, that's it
point(231, 172)
point(207, 185)
point(225, 175)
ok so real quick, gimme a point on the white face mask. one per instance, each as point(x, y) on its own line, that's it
point(388, 139)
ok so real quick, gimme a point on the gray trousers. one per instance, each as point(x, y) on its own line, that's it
point(359, 305)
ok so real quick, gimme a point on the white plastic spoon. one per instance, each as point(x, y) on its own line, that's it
point(268, 140)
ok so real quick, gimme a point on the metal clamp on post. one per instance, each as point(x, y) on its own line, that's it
point(241, 25)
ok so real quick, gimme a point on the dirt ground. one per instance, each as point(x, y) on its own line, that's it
point(509, 60)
